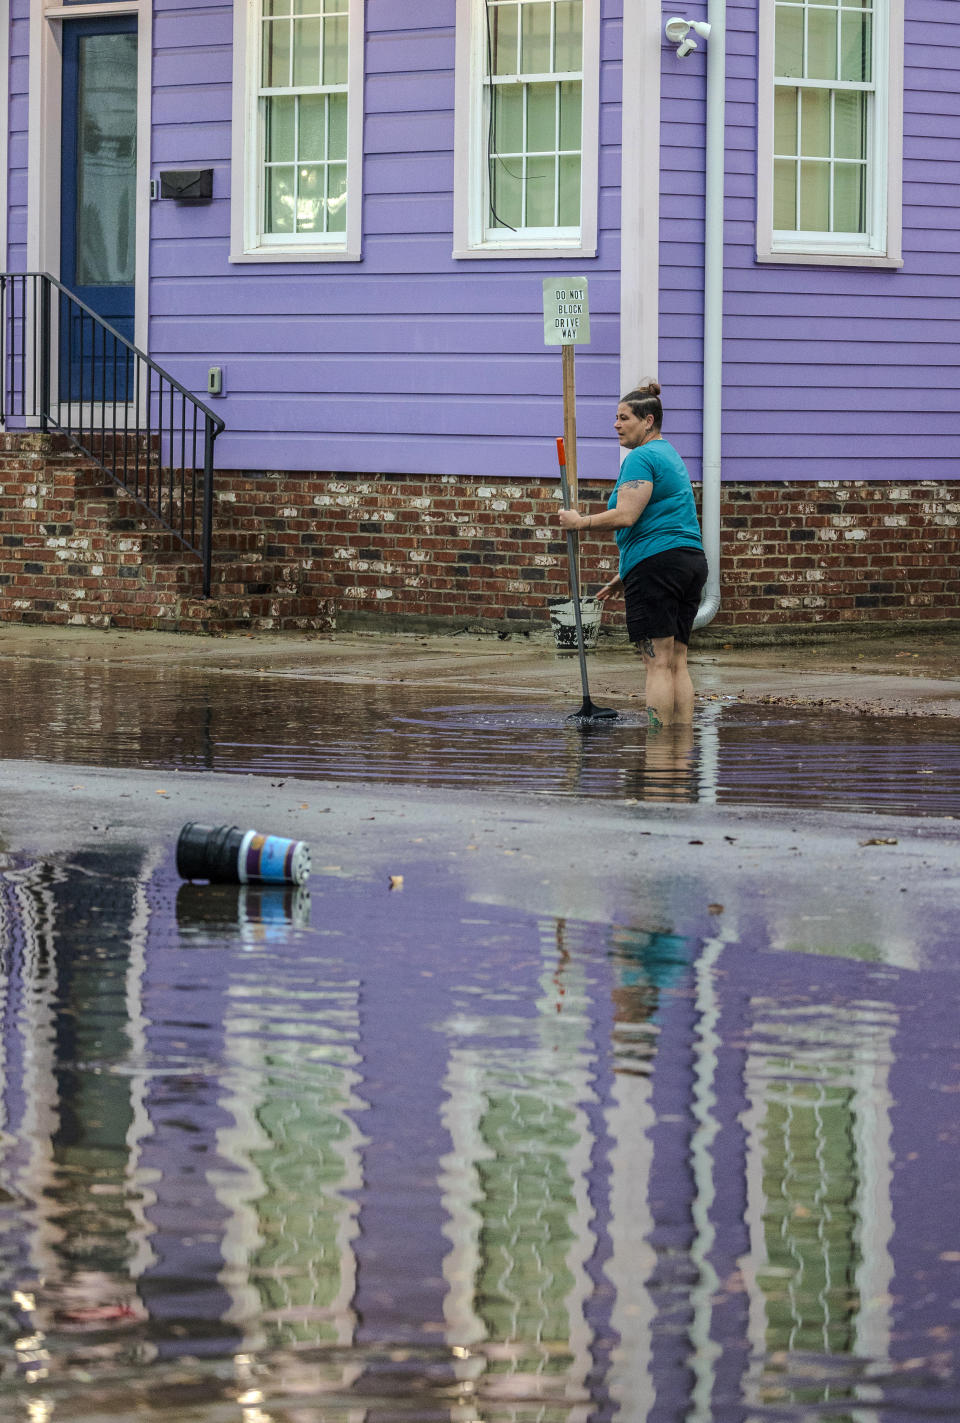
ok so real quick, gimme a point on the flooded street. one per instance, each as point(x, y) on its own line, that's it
point(587, 1078)
point(281, 722)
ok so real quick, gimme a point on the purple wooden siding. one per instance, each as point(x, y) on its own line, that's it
point(17, 161)
point(409, 362)
point(828, 372)
point(406, 362)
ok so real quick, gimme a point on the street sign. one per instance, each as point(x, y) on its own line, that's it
point(566, 311)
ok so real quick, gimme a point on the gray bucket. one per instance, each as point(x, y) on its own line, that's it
point(563, 619)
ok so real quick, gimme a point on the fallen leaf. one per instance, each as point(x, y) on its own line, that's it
point(694, 842)
point(396, 881)
point(879, 840)
point(714, 908)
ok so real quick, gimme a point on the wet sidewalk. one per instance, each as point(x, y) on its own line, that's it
point(900, 675)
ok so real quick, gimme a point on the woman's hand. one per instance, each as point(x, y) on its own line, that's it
point(608, 589)
point(571, 519)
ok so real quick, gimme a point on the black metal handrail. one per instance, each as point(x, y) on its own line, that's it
point(67, 369)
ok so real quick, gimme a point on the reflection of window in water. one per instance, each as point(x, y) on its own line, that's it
point(516, 1182)
point(818, 1179)
point(297, 1160)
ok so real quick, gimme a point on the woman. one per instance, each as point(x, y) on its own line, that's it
point(662, 565)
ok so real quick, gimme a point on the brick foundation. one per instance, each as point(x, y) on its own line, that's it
point(319, 551)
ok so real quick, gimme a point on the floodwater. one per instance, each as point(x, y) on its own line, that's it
point(289, 725)
point(429, 1153)
point(373, 1155)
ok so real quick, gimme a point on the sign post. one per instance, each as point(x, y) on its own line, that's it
point(566, 323)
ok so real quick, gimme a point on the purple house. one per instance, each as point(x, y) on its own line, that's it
point(330, 222)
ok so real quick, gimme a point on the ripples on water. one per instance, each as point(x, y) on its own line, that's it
point(288, 726)
point(278, 1157)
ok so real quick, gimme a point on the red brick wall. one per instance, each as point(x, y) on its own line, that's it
point(485, 551)
point(812, 553)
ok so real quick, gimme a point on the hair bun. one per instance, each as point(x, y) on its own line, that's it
point(647, 387)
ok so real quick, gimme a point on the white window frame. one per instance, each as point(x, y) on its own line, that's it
point(882, 244)
point(247, 240)
point(470, 157)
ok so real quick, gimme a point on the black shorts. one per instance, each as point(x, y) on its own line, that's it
point(662, 594)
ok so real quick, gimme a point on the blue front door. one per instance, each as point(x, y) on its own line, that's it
point(98, 200)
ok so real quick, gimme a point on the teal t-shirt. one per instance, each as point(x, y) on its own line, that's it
point(670, 518)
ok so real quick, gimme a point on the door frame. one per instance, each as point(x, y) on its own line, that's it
point(44, 141)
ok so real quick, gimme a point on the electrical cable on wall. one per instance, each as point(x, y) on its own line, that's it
point(492, 127)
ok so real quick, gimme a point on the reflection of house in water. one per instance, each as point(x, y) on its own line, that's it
point(574, 1158)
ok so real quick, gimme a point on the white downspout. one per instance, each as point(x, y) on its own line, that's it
point(713, 304)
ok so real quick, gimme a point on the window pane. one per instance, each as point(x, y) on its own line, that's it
point(788, 61)
point(310, 198)
point(785, 194)
point(850, 125)
point(815, 197)
point(571, 105)
point(507, 204)
point(335, 50)
point(338, 7)
point(280, 116)
point(276, 54)
point(541, 192)
point(856, 44)
point(312, 146)
point(535, 38)
point(337, 199)
point(106, 159)
point(337, 119)
point(822, 44)
point(502, 20)
point(815, 123)
point(849, 197)
point(541, 118)
point(785, 105)
point(276, 7)
point(508, 118)
point(279, 204)
point(570, 191)
point(306, 52)
point(568, 48)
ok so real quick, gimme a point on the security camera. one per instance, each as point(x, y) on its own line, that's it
point(677, 31)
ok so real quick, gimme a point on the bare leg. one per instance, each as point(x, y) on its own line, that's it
point(682, 686)
point(659, 690)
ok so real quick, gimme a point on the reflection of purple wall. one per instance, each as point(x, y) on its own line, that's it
point(184, 1002)
point(399, 1248)
point(17, 1144)
point(924, 1081)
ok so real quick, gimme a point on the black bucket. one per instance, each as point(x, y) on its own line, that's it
point(224, 854)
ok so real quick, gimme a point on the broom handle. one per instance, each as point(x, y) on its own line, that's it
point(572, 560)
